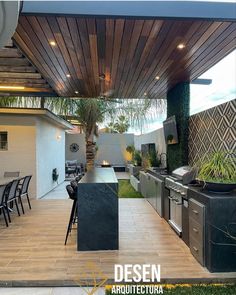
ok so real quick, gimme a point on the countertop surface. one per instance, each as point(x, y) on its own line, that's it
point(99, 175)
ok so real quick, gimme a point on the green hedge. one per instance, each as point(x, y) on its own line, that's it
point(178, 105)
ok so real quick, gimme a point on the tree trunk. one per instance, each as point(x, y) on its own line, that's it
point(90, 154)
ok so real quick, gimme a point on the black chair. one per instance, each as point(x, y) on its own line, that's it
point(10, 196)
point(22, 191)
point(73, 196)
point(3, 190)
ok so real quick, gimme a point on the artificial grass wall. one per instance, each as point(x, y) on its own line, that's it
point(178, 99)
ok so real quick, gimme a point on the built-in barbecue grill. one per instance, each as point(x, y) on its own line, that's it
point(178, 196)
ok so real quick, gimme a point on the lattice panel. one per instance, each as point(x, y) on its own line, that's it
point(212, 130)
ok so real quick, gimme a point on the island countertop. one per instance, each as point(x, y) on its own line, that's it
point(99, 175)
point(98, 211)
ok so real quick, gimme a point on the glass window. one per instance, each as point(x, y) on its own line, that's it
point(3, 141)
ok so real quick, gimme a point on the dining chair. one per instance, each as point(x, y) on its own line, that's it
point(11, 174)
point(23, 191)
point(10, 197)
point(3, 189)
point(73, 196)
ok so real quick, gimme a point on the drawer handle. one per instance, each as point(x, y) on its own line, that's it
point(195, 230)
point(195, 249)
point(195, 211)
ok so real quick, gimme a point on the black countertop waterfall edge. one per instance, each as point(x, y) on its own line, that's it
point(98, 211)
point(99, 175)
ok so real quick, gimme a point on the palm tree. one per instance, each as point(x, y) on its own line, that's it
point(91, 111)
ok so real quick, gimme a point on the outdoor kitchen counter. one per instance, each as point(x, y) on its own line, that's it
point(219, 228)
point(98, 219)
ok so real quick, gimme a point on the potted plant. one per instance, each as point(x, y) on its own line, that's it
point(218, 173)
point(153, 160)
point(137, 158)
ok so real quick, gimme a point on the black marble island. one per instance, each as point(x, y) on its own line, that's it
point(98, 219)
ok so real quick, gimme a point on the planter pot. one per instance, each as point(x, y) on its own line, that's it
point(214, 187)
point(134, 170)
point(135, 183)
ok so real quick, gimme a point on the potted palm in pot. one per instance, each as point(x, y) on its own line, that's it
point(218, 173)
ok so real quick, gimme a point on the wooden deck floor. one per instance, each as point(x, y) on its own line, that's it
point(32, 249)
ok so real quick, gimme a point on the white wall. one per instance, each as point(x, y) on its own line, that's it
point(80, 155)
point(50, 154)
point(112, 148)
point(156, 137)
point(20, 155)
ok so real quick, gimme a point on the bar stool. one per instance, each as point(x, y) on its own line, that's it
point(73, 196)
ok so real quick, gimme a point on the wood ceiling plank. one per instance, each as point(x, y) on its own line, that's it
point(79, 52)
point(82, 27)
point(38, 55)
point(158, 53)
point(138, 26)
point(22, 81)
point(10, 52)
point(15, 69)
point(92, 33)
point(127, 34)
point(20, 75)
point(5, 61)
point(24, 84)
point(101, 43)
point(149, 45)
point(110, 28)
point(141, 46)
point(70, 56)
point(56, 25)
point(196, 30)
point(119, 27)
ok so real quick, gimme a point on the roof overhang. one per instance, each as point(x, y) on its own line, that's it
point(42, 113)
point(150, 9)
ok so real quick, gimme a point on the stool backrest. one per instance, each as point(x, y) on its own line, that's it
point(71, 192)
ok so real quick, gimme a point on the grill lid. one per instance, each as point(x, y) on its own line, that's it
point(185, 173)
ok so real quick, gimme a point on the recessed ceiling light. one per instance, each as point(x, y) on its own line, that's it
point(181, 46)
point(53, 43)
point(157, 77)
point(13, 87)
point(68, 75)
point(76, 92)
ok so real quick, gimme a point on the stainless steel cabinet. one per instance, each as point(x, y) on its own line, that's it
point(152, 190)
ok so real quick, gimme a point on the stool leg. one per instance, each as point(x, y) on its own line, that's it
point(71, 219)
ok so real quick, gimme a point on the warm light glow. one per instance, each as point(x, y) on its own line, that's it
point(12, 87)
point(68, 75)
point(145, 93)
point(53, 43)
point(181, 46)
point(105, 162)
point(76, 92)
point(157, 77)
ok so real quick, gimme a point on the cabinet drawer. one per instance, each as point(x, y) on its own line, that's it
point(197, 250)
point(196, 211)
point(196, 230)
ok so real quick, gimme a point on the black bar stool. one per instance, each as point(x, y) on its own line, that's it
point(72, 192)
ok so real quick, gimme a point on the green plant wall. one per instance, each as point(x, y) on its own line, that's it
point(178, 104)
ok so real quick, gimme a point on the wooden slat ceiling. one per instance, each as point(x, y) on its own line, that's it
point(121, 57)
point(17, 75)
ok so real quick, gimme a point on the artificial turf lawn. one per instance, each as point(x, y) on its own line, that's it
point(126, 190)
point(196, 290)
